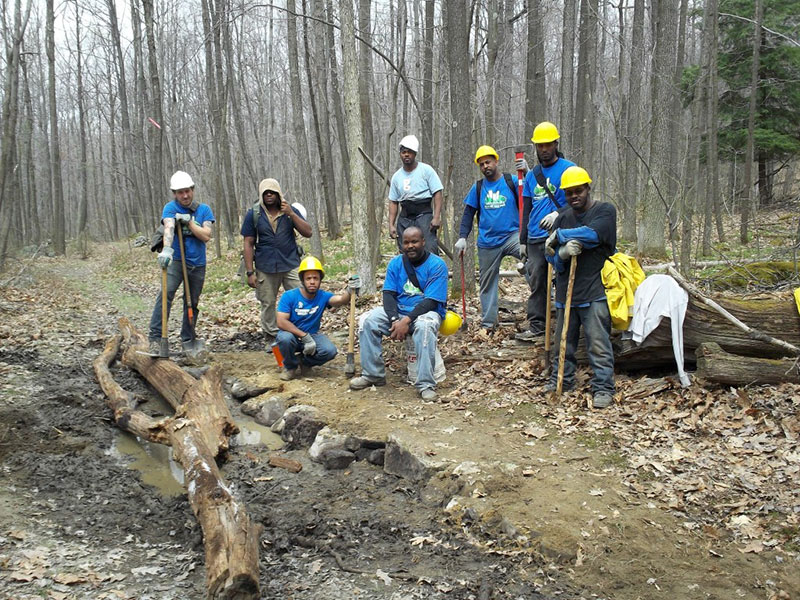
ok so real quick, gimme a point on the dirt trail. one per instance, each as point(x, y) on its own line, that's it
point(528, 501)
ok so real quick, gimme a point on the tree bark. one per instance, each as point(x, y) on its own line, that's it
point(59, 223)
point(717, 366)
point(747, 196)
point(535, 81)
point(566, 103)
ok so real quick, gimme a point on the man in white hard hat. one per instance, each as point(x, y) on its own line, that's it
point(271, 253)
point(196, 222)
point(416, 193)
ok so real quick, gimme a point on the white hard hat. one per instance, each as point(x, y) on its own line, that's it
point(411, 142)
point(301, 209)
point(180, 181)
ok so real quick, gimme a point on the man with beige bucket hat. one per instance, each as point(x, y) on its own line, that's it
point(271, 253)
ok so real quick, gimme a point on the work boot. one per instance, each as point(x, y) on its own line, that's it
point(288, 374)
point(602, 400)
point(550, 387)
point(531, 335)
point(363, 382)
point(428, 394)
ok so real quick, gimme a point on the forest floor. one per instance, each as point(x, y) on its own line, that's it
point(668, 493)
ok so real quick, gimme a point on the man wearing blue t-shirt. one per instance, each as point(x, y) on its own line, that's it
point(498, 228)
point(299, 315)
point(415, 191)
point(196, 221)
point(414, 301)
point(542, 199)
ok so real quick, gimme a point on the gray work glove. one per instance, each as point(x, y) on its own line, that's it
point(523, 251)
point(521, 165)
point(165, 257)
point(354, 284)
point(461, 245)
point(309, 345)
point(183, 218)
point(571, 248)
point(551, 243)
point(548, 220)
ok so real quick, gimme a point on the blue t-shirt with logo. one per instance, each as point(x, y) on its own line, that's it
point(195, 249)
point(304, 314)
point(420, 184)
point(541, 205)
point(432, 276)
point(498, 216)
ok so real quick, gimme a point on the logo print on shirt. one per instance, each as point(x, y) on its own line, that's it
point(412, 290)
point(539, 192)
point(304, 312)
point(407, 184)
point(494, 200)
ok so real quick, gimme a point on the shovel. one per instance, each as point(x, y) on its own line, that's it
point(562, 351)
point(163, 351)
point(195, 347)
point(350, 367)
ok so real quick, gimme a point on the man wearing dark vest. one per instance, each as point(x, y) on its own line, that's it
point(271, 254)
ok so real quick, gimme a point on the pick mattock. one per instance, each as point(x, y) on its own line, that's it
point(562, 351)
point(548, 319)
point(187, 293)
point(350, 366)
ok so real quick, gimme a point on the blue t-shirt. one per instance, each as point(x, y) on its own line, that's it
point(498, 216)
point(195, 249)
point(304, 314)
point(541, 205)
point(432, 276)
point(420, 184)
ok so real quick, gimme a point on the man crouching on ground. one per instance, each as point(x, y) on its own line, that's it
point(298, 318)
point(414, 303)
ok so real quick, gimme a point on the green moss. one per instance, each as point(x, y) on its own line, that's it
point(766, 273)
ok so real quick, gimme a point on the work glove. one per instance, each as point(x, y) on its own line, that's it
point(183, 218)
point(309, 345)
point(571, 248)
point(551, 243)
point(165, 257)
point(523, 251)
point(521, 165)
point(461, 245)
point(354, 283)
point(548, 220)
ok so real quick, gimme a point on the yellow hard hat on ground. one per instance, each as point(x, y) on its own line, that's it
point(574, 176)
point(311, 263)
point(451, 322)
point(544, 133)
point(485, 151)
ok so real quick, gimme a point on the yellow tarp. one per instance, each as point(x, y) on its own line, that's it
point(621, 276)
point(797, 298)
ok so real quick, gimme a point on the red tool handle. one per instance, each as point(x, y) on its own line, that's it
point(520, 179)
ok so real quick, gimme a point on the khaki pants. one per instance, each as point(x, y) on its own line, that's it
point(267, 285)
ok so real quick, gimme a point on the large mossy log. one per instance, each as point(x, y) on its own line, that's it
point(717, 366)
point(198, 433)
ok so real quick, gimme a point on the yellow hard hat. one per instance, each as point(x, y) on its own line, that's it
point(311, 263)
point(451, 322)
point(574, 176)
point(544, 133)
point(485, 151)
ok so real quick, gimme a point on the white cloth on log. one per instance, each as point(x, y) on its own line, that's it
point(660, 296)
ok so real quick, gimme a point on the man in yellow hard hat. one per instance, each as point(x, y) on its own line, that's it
point(416, 193)
point(298, 317)
point(494, 200)
point(542, 198)
point(271, 253)
point(586, 232)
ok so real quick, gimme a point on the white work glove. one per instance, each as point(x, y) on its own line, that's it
point(523, 251)
point(521, 165)
point(309, 345)
point(165, 257)
point(548, 220)
point(461, 245)
point(571, 248)
point(354, 283)
point(183, 218)
point(551, 243)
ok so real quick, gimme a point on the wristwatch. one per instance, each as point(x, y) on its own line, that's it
point(248, 273)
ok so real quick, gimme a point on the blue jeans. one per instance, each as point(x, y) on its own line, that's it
point(196, 277)
point(376, 326)
point(489, 265)
point(596, 322)
point(292, 350)
point(536, 276)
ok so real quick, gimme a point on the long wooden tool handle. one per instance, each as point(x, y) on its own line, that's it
point(186, 292)
point(520, 179)
point(547, 317)
point(351, 342)
point(562, 351)
point(164, 303)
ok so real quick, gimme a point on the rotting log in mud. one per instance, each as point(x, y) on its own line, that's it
point(717, 366)
point(198, 432)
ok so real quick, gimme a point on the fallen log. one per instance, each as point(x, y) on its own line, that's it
point(198, 433)
point(717, 366)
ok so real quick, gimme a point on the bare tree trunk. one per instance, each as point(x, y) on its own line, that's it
point(358, 177)
point(566, 103)
point(336, 100)
point(535, 81)
point(631, 190)
point(585, 115)
point(59, 223)
point(84, 191)
point(427, 74)
point(747, 196)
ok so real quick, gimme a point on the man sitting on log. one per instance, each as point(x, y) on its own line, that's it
point(298, 317)
point(414, 303)
point(588, 229)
